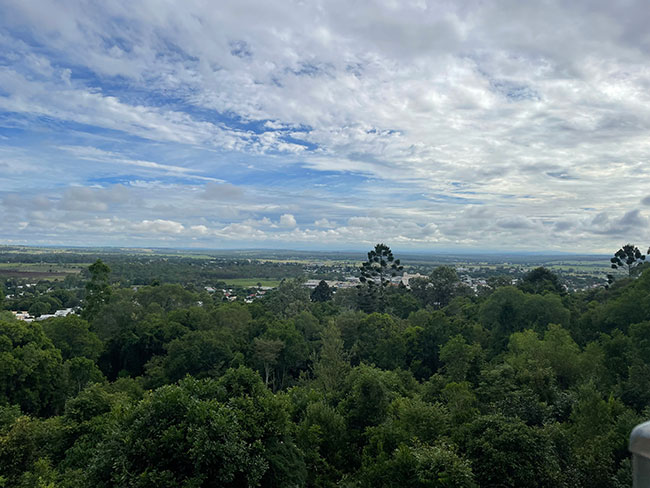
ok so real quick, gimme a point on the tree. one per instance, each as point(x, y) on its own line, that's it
point(31, 371)
point(80, 372)
point(290, 298)
point(506, 452)
point(628, 258)
point(322, 293)
point(458, 357)
point(73, 337)
point(332, 365)
point(540, 280)
point(198, 353)
point(38, 308)
point(442, 285)
point(97, 289)
point(196, 434)
point(420, 466)
point(267, 352)
point(380, 266)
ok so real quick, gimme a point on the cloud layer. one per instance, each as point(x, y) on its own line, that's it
point(429, 125)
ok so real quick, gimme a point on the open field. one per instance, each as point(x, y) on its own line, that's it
point(251, 282)
point(40, 271)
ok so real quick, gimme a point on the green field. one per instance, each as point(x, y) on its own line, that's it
point(251, 282)
point(40, 271)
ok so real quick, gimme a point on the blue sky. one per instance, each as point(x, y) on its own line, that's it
point(500, 125)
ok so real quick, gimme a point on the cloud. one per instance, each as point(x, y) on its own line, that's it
point(630, 222)
point(16, 201)
point(159, 226)
point(287, 220)
point(324, 223)
point(515, 222)
point(199, 229)
point(85, 199)
point(222, 191)
point(409, 122)
point(95, 154)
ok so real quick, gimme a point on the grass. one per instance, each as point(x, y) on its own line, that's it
point(251, 282)
point(45, 267)
point(40, 271)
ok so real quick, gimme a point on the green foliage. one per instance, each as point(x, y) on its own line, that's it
point(438, 290)
point(185, 435)
point(509, 310)
point(164, 386)
point(506, 452)
point(540, 280)
point(39, 308)
point(380, 266)
point(27, 445)
point(80, 372)
point(322, 436)
point(400, 302)
point(321, 293)
point(332, 366)
point(288, 299)
point(625, 305)
point(31, 371)
point(420, 466)
point(628, 258)
point(198, 353)
point(98, 289)
point(459, 357)
point(72, 336)
point(425, 333)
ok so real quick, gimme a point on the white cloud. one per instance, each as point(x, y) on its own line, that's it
point(159, 226)
point(199, 229)
point(443, 121)
point(95, 154)
point(287, 220)
point(324, 223)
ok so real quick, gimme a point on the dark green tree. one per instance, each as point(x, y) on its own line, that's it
point(420, 466)
point(80, 372)
point(198, 353)
point(267, 352)
point(98, 289)
point(380, 267)
point(38, 308)
point(290, 298)
point(540, 280)
point(73, 337)
point(628, 258)
point(31, 370)
point(201, 433)
point(332, 365)
point(506, 452)
point(442, 285)
point(322, 437)
point(322, 292)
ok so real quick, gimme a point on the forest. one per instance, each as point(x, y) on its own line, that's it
point(431, 385)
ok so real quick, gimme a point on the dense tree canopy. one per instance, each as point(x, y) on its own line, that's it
point(433, 386)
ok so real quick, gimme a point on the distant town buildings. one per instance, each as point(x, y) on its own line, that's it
point(26, 317)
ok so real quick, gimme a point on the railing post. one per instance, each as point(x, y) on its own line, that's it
point(640, 449)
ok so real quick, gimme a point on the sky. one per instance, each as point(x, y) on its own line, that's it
point(461, 125)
